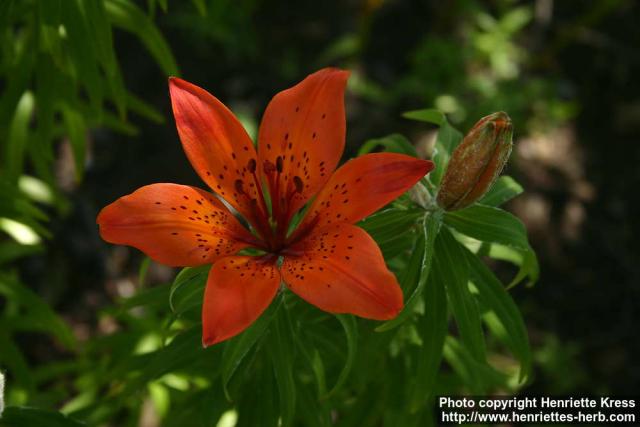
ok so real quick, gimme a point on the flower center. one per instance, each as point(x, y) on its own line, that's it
point(270, 224)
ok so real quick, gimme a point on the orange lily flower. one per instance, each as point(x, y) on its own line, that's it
point(326, 260)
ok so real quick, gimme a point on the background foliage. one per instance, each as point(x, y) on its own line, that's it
point(87, 329)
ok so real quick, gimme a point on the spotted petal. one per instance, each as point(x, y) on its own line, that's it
point(218, 147)
point(238, 290)
point(340, 269)
point(174, 224)
point(362, 186)
point(302, 134)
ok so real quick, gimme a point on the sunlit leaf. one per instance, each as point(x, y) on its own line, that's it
point(429, 115)
point(18, 139)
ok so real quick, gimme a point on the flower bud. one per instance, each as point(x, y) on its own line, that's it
point(477, 162)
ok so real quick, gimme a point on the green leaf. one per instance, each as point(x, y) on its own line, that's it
point(11, 251)
point(143, 270)
point(512, 330)
point(257, 405)
point(82, 51)
point(282, 350)
point(314, 413)
point(187, 290)
point(447, 140)
point(498, 234)
point(15, 416)
point(453, 269)
point(39, 311)
point(528, 268)
point(18, 138)
point(350, 327)
point(477, 375)
point(429, 115)
point(489, 224)
point(155, 296)
point(144, 109)
point(77, 131)
point(101, 34)
point(310, 352)
point(12, 358)
point(181, 353)
point(430, 230)
point(127, 15)
point(392, 229)
point(433, 327)
point(503, 190)
point(238, 347)
point(201, 6)
point(394, 143)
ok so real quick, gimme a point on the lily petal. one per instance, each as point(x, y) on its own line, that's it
point(176, 225)
point(218, 147)
point(340, 269)
point(239, 289)
point(362, 186)
point(302, 133)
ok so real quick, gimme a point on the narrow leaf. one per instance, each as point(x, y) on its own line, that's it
point(238, 347)
point(18, 137)
point(433, 330)
point(128, 16)
point(394, 143)
point(14, 416)
point(39, 311)
point(492, 295)
point(187, 290)
point(430, 230)
point(281, 348)
point(350, 327)
point(430, 115)
point(489, 224)
point(452, 267)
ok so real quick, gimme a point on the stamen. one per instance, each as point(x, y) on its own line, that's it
point(239, 186)
point(297, 181)
point(251, 165)
point(269, 167)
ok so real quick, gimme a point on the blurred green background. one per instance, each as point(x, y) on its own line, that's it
point(565, 71)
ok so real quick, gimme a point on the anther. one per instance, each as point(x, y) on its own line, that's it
point(251, 165)
point(298, 183)
point(269, 167)
point(239, 186)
